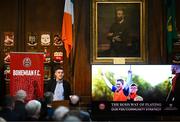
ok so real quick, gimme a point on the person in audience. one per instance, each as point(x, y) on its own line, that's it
point(71, 118)
point(81, 114)
point(75, 109)
point(33, 108)
point(133, 93)
point(60, 113)
point(2, 119)
point(173, 96)
point(20, 104)
point(46, 109)
point(74, 100)
point(60, 87)
point(7, 111)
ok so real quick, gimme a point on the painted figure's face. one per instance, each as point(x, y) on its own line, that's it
point(45, 39)
point(119, 15)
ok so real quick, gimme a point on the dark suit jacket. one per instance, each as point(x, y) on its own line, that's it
point(9, 115)
point(52, 85)
point(20, 109)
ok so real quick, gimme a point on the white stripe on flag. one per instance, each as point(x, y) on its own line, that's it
point(69, 9)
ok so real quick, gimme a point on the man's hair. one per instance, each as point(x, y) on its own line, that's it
point(133, 84)
point(119, 9)
point(60, 113)
point(74, 99)
point(120, 80)
point(21, 94)
point(58, 68)
point(2, 119)
point(71, 118)
point(33, 107)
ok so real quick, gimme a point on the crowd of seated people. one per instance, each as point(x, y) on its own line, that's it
point(18, 109)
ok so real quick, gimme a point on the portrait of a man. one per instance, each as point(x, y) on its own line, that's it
point(118, 30)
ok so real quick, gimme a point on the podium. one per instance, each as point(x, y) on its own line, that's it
point(56, 104)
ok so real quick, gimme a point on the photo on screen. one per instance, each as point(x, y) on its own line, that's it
point(134, 88)
point(153, 81)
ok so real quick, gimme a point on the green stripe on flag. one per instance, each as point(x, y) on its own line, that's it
point(171, 31)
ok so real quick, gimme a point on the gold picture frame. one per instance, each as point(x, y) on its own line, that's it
point(119, 44)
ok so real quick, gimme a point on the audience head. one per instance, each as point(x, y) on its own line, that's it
point(2, 119)
point(33, 108)
point(74, 99)
point(71, 118)
point(21, 95)
point(82, 115)
point(60, 113)
point(48, 96)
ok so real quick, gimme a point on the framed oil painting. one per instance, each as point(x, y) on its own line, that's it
point(119, 31)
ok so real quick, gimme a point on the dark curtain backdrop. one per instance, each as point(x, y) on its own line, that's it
point(78, 68)
point(177, 15)
point(156, 32)
point(82, 69)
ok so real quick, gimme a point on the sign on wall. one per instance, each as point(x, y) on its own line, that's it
point(27, 73)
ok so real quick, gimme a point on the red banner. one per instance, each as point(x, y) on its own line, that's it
point(27, 73)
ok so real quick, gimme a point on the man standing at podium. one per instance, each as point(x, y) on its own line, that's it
point(60, 87)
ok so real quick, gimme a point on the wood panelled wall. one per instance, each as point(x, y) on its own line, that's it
point(156, 32)
point(23, 16)
point(177, 14)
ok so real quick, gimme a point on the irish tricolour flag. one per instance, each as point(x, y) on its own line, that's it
point(68, 20)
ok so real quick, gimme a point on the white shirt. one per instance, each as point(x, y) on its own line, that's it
point(58, 92)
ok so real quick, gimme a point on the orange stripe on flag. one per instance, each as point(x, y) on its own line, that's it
point(67, 31)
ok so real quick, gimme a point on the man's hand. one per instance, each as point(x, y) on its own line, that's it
point(129, 72)
point(116, 39)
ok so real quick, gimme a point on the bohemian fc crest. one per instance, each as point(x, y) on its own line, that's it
point(27, 62)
